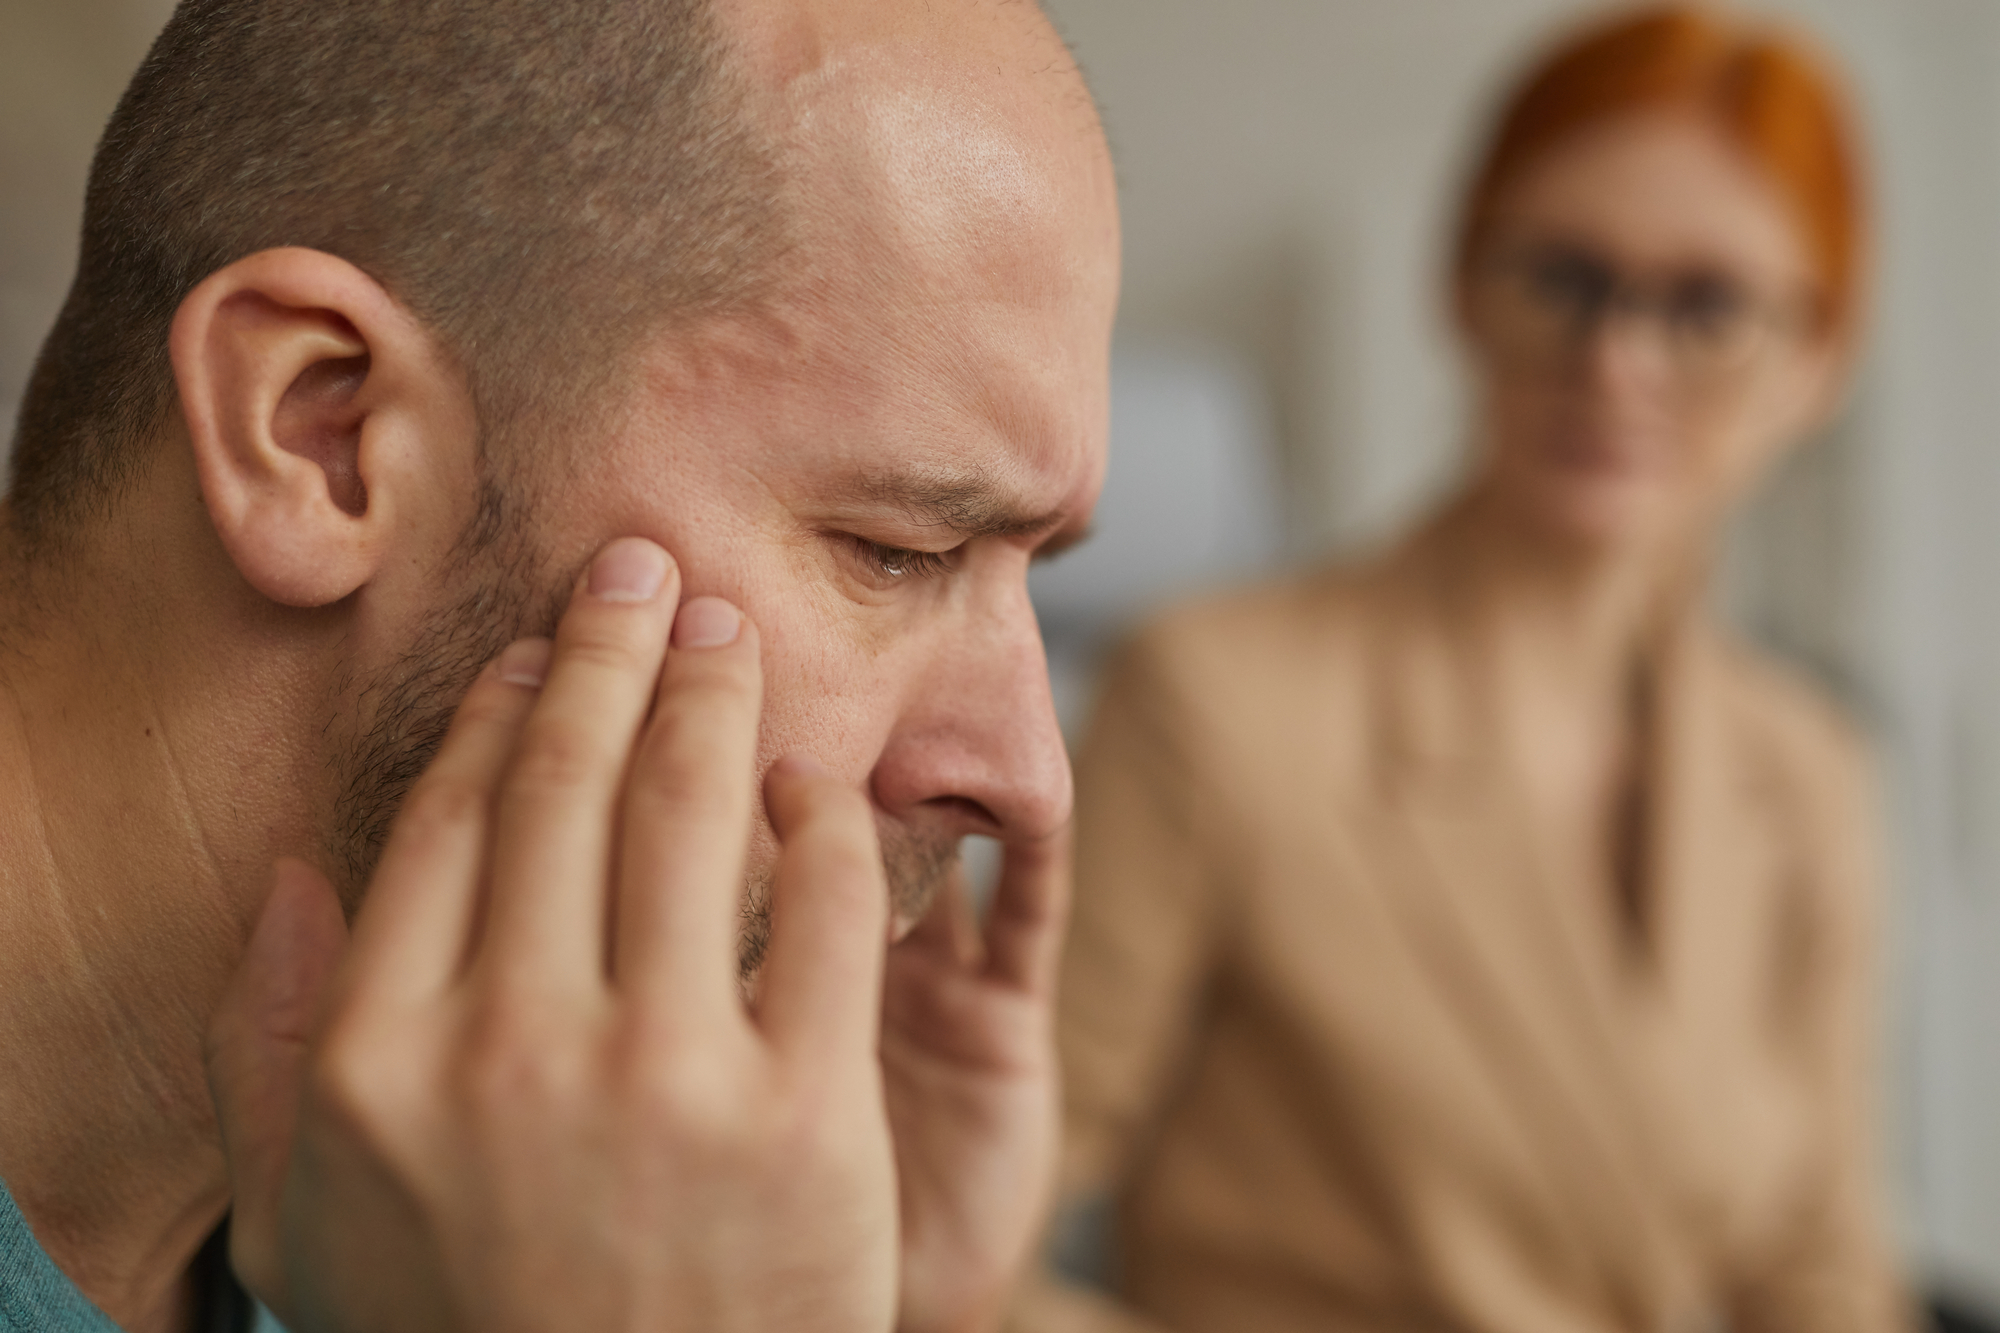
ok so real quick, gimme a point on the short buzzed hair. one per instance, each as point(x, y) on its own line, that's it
point(538, 181)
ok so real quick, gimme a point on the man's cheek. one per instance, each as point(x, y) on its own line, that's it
point(824, 699)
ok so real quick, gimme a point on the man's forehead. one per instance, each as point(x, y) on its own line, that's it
point(938, 343)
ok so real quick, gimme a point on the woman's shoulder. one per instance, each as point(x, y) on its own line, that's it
point(1302, 634)
point(1795, 723)
point(1240, 688)
point(1808, 764)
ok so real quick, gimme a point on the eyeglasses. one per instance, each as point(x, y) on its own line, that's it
point(1547, 303)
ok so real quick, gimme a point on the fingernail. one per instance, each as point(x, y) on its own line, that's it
point(631, 569)
point(525, 663)
point(707, 622)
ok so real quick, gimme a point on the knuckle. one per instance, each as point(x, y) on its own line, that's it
point(687, 1091)
point(441, 804)
point(558, 757)
point(687, 747)
point(668, 776)
point(344, 1077)
point(617, 643)
point(690, 1093)
point(489, 703)
point(711, 682)
point(702, 1103)
point(515, 1057)
point(685, 802)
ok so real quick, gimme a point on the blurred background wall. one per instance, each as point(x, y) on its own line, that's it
point(1285, 387)
point(1289, 170)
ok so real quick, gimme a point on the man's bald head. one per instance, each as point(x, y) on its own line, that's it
point(535, 179)
point(539, 181)
point(936, 134)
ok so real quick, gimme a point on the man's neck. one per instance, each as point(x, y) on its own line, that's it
point(117, 932)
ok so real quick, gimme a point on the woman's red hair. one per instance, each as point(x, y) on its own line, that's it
point(1767, 91)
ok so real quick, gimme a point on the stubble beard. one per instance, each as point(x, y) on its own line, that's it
point(398, 717)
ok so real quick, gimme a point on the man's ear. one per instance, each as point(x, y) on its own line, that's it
point(316, 407)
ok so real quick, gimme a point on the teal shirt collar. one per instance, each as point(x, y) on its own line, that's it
point(37, 1297)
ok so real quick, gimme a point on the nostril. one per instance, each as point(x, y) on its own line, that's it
point(964, 810)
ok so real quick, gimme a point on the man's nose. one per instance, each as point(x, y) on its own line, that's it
point(979, 741)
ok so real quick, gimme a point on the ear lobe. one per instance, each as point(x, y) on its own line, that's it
point(287, 362)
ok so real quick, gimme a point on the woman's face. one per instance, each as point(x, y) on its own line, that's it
point(1648, 331)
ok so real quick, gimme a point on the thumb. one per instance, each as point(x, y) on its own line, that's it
point(257, 1045)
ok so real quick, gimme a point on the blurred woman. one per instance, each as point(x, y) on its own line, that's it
point(1481, 939)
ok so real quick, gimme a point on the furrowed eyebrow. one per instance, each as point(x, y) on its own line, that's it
point(969, 506)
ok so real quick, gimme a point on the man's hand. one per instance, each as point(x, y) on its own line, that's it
point(969, 1061)
point(530, 1097)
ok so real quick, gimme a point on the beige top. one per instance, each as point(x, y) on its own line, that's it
point(1352, 1052)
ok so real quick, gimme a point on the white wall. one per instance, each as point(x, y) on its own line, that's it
point(62, 66)
point(1931, 518)
point(1288, 167)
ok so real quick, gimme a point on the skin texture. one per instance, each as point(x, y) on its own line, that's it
point(933, 379)
point(1602, 481)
